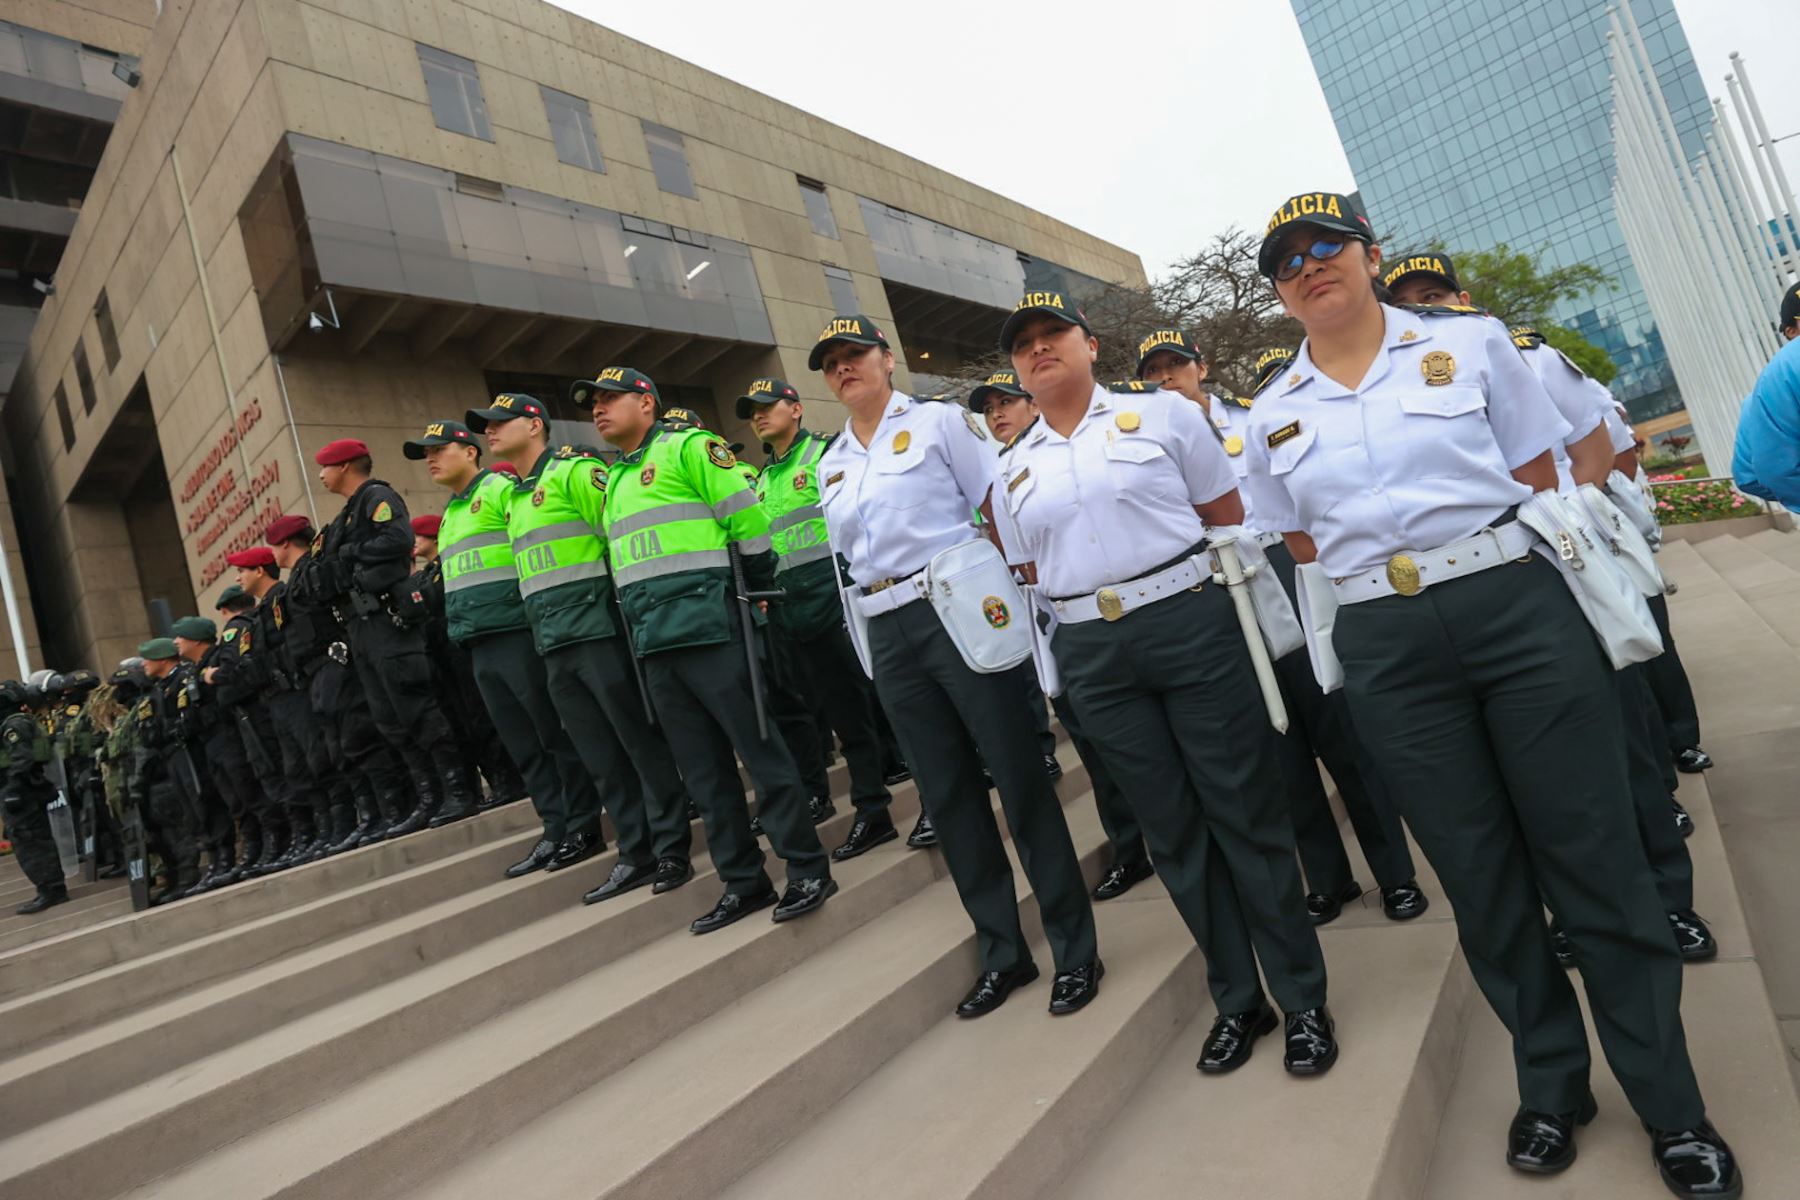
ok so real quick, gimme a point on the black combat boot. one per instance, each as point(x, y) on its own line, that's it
point(390, 807)
point(459, 796)
point(426, 788)
point(346, 827)
point(225, 859)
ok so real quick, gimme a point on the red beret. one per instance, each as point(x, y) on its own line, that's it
point(283, 529)
point(505, 468)
point(427, 526)
point(336, 454)
point(255, 556)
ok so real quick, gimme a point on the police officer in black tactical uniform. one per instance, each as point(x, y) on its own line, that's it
point(164, 773)
point(238, 679)
point(24, 754)
point(364, 557)
point(234, 777)
point(198, 718)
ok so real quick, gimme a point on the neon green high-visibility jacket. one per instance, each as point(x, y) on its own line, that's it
point(673, 506)
point(481, 583)
point(789, 487)
point(560, 550)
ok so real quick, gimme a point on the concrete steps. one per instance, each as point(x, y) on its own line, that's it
point(1770, 586)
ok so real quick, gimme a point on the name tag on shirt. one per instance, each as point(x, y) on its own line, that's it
point(1285, 433)
point(1016, 480)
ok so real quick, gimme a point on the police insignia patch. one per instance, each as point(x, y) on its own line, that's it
point(73, 710)
point(800, 478)
point(318, 541)
point(537, 498)
point(383, 512)
point(1438, 368)
point(720, 455)
point(597, 477)
point(475, 507)
point(231, 635)
point(996, 612)
point(181, 699)
point(246, 641)
point(280, 614)
point(975, 427)
point(1234, 445)
point(647, 476)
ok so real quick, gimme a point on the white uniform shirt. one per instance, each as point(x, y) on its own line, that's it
point(1115, 499)
point(1400, 463)
point(1616, 423)
point(1233, 424)
point(894, 505)
point(1577, 403)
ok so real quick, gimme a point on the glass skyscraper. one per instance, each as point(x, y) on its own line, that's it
point(1488, 121)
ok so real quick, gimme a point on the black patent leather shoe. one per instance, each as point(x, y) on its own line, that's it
point(1544, 1143)
point(671, 873)
point(1052, 767)
point(1405, 902)
point(1074, 989)
point(534, 861)
point(1683, 822)
point(576, 848)
point(1692, 937)
point(1693, 760)
point(1696, 1163)
point(1322, 908)
point(733, 907)
point(993, 987)
point(1232, 1039)
point(625, 877)
point(43, 900)
point(1311, 1042)
point(821, 809)
point(865, 834)
point(1562, 947)
point(803, 896)
point(923, 834)
point(1122, 878)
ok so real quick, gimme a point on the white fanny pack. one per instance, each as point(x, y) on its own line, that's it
point(1318, 616)
point(1411, 573)
point(972, 590)
point(1623, 539)
point(1610, 599)
point(1636, 502)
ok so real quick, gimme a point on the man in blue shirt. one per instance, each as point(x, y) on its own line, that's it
point(1766, 463)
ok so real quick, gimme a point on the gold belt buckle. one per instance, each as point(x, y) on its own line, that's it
point(1403, 575)
point(881, 586)
point(1111, 607)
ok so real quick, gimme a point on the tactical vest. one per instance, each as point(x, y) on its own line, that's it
point(481, 581)
point(560, 554)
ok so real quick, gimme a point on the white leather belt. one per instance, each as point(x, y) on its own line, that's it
point(1411, 573)
point(1111, 603)
point(1265, 540)
point(897, 594)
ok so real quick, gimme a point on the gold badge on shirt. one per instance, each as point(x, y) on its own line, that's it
point(1234, 445)
point(1438, 368)
point(902, 440)
point(1411, 335)
point(1128, 422)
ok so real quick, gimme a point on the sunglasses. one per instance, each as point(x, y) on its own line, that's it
point(1323, 250)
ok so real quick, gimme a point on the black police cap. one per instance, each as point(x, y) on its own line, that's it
point(1325, 210)
point(440, 433)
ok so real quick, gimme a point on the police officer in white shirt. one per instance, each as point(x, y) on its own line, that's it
point(1587, 457)
point(1320, 725)
point(1108, 498)
point(1009, 411)
point(899, 487)
point(1393, 454)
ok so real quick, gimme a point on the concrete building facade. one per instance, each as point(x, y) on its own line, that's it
point(326, 218)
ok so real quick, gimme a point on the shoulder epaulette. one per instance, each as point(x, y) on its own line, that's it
point(1235, 401)
point(1132, 385)
point(577, 450)
point(939, 398)
point(1445, 310)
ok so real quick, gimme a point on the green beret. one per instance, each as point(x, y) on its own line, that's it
point(157, 648)
point(196, 629)
point(231, 594)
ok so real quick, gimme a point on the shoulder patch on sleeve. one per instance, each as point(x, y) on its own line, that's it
point(231, 635)
point(383, 512)
point(720, 455)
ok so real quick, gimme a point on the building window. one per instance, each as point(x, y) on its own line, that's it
point(843, 289)
point(109, 336)
point(84, 376)
point(818, 207)
point(63, 418)
point(455, 91)
point(572, 129)
point(668, 158)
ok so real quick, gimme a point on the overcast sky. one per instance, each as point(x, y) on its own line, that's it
point(1194, 115)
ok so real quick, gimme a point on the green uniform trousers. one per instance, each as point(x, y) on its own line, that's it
point(1319, 727)
point(1648, 757)
point(1116, 817)
point(950, 720)
point(703, 700)
point(596, 695)
point(515, 686)
point(1168, 694)
point(1496, 718)
point(1669, 681)
point(830, 676)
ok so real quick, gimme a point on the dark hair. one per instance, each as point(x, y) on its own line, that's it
point(240, 604)
point(362, 464)
point(273, 570)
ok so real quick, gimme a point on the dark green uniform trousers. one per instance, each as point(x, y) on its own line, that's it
point(1648, 757)
point(28, 828)
point(950, 720)
point(1319, 727)
point(1669, 681)
point(703, 700)
point(515, 686)
point(1168, 694)
point(830, 676)
point(596, 695)
point(1496, 719)
point(1116, 817)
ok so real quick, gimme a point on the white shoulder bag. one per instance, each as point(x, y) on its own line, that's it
point(1610, 599)
point(971, 589)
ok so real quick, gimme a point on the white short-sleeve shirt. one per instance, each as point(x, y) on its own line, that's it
point(1233, 425)
point(911, 493)
point(1417, 456)
point(1115, 499)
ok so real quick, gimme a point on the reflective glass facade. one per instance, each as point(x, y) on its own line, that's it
point(1488, 121)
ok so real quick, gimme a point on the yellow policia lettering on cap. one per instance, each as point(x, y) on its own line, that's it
point(435, 429)
point(1286, 433)
point(1162, 337)
point(613, 375)
point(1270, 356)
point(1007, 378)
point(1316, 205)
point(1418, 262)
point(840, 326)
point(762, 387)
point(1041, 300)
point(503, 402)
